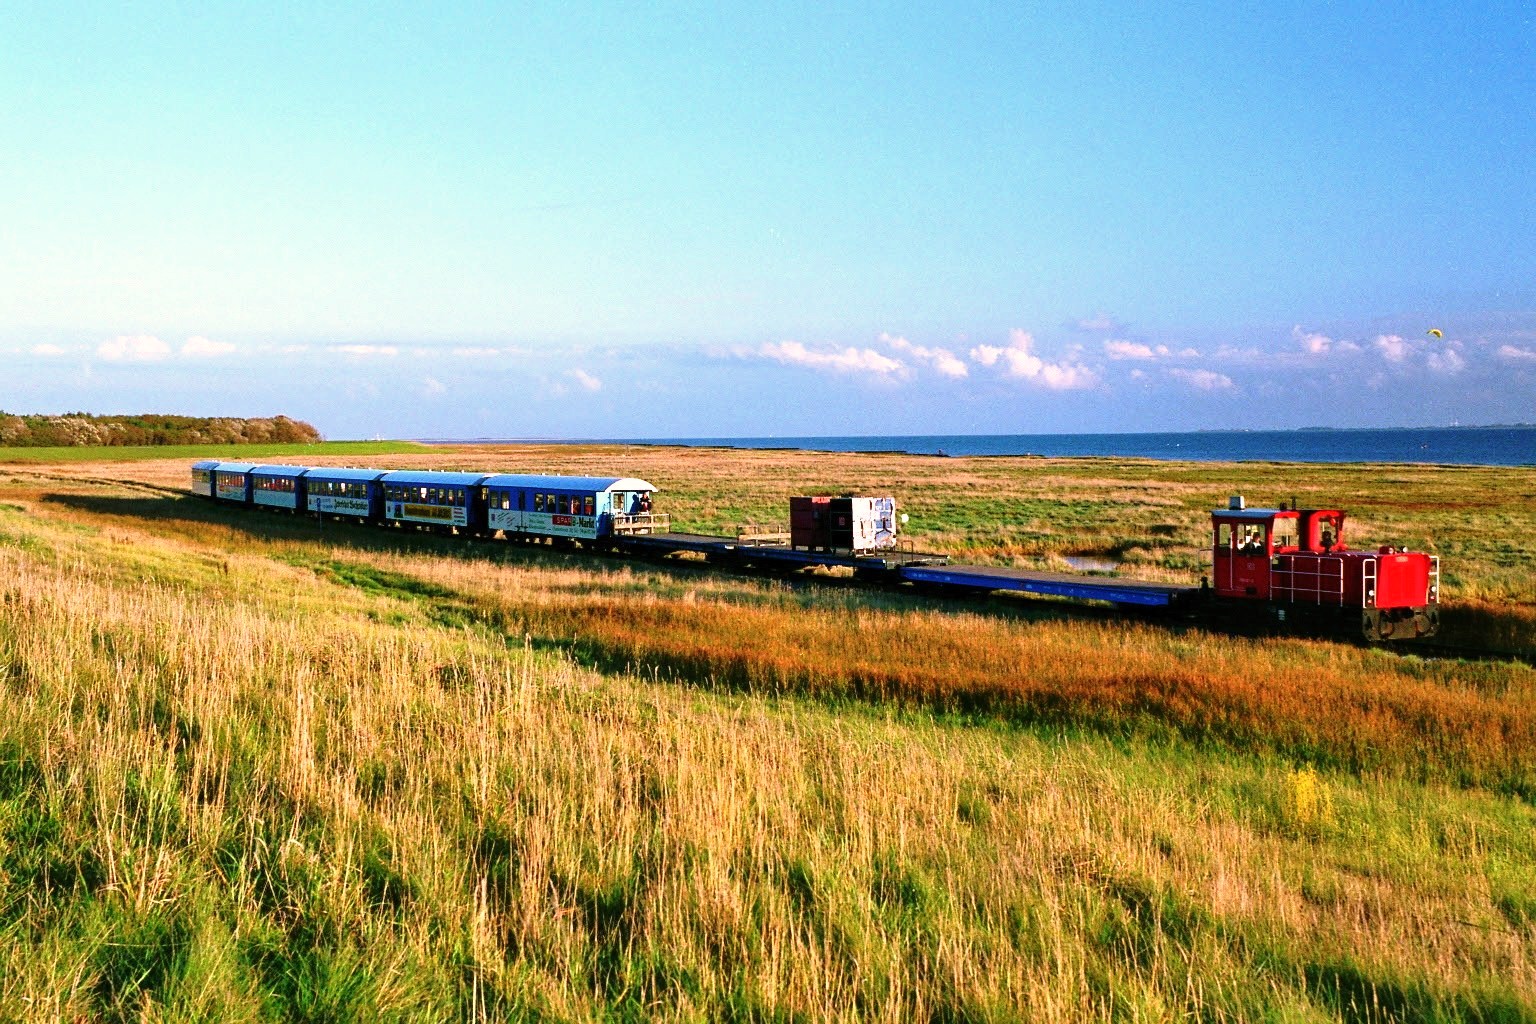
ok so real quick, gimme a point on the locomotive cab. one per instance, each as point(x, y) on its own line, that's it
point(1297, 560)
point(1245, 543)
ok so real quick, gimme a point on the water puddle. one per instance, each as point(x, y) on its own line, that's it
point(1090, 563)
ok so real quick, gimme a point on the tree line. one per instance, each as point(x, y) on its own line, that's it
point(81, 429)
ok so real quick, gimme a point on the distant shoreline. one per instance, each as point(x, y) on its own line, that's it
point(1499, 445)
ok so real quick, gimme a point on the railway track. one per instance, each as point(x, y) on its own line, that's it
point(1423, 648)
point(1433, 649)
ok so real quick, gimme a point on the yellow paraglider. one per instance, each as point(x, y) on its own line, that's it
point(1435, 331)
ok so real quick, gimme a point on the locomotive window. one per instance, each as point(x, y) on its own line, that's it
point(1224, 536)
point(1285, 533)
point(1328, 532)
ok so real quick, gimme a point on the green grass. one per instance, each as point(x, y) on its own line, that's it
point(251, 771)
point(230, 452)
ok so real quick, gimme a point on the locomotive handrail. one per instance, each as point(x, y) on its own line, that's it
point(1316, 591)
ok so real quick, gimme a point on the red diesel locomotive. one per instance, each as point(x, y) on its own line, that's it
point(1296, 561)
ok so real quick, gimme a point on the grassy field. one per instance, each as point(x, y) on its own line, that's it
point(331, 450)
point(253, 770)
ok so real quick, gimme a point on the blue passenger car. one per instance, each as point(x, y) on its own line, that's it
point(232, 481)
point(280, 487)
point(353, 493)
point(442, 501)
point(578, 507)
point(202, 477)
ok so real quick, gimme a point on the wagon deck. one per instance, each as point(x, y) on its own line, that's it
point(1114, 589)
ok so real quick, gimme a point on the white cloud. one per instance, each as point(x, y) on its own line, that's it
point(1202, 380)
point(290, 350)
point(472, 352)
point(586, 380)
point(941, 359)
point(845, 360)
point(368, 350)
point(133, 348)
point(432, 387)
point(1393, 347)
point(1446, 361)
point(1311, 341)
point(198, 346)
point(1019, 360)
point(1119, 349)
point(47, 350)
point(1515, 355)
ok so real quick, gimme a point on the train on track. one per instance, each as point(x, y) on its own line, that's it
point(1285, 567)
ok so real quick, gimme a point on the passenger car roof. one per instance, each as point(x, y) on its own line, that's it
point(341, 473)
point(432, 478)
point(569, 483)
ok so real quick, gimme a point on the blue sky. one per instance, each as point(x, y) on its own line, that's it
point(488, 220)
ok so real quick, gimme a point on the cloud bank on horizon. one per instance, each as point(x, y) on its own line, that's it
point(1083, 382)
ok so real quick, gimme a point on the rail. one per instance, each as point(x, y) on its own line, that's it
point(643, 522)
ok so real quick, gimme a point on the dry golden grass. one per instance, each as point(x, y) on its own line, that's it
point(307, 777)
